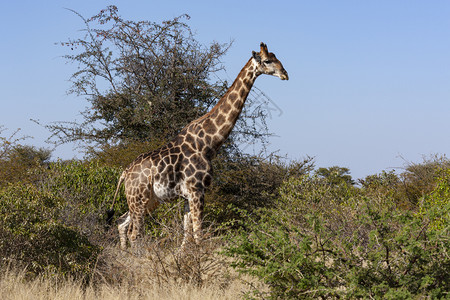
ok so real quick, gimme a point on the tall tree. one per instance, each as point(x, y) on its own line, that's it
point(143, 81)
point(336, 175)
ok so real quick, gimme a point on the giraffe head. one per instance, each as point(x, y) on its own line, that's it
point(267, 63)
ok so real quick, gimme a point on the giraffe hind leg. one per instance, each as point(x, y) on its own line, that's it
point(135, 230)
point(124, 224)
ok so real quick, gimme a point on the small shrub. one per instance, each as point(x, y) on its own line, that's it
point(386, 185)
point(123, 154)
point(419, 179)
point(18, 162)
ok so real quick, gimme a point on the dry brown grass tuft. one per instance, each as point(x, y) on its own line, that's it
point(159, 272)
point(160, 264)
point(13, 285)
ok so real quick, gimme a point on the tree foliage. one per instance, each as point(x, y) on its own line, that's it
point(8, 142)
point(143, 80)
point(16, 160)
point(336, 175)
point(249, 183)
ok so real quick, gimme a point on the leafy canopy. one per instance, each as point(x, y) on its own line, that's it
point(144, 81)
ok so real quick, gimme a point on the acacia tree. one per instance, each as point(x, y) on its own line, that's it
point(143, 81)
point(16, 159)
point(9, 142)
point(336, 175)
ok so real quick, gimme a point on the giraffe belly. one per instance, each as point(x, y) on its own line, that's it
point(163, 192)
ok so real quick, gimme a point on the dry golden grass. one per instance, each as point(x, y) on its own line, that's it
point(13, 285)
point(157, 273)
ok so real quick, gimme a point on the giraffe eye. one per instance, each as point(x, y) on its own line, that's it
point(267, 62)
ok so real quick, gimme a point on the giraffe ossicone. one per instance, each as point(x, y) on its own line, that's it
point(182, 168)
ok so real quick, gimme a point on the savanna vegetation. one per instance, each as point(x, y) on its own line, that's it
point(275, 228)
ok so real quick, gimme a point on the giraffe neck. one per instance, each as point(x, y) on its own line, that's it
point(219, 122)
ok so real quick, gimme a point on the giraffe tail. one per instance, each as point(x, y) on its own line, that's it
point(110, 212)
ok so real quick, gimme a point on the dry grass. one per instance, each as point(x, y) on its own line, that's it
point(13, 285)
point(157, 273)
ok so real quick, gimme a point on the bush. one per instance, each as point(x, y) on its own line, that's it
point(248, 183)
point(57, 221)
point(336, 175)
point(408, 187)
point(90, 184)
point(434, 207)
point(386, 185)
point(325, 240)
point(419, 179)
point(18, 161)
point(122, 155)
point(32, 233)
point(85, 190)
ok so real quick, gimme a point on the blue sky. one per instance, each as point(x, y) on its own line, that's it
point(369, 80)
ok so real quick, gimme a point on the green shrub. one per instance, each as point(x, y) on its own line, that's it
point(326, 240)
point(57, 222)
point(123, 154)
point(404, 258)
point(409, 187)
point(336, 175)
point(284, 257)
point(248, 183)
point(90, 184)
point(386, 185)
point(32, 233)
point(419, 179)
point(434, 207)
point(18, 161)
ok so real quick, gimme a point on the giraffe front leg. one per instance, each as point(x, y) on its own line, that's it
point(192, 222)
point(196, 214)
point(187, 225)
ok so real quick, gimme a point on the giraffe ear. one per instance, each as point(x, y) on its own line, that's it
point(264, 50)
point(256, 56)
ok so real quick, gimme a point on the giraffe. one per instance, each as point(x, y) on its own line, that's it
point(182, 168)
